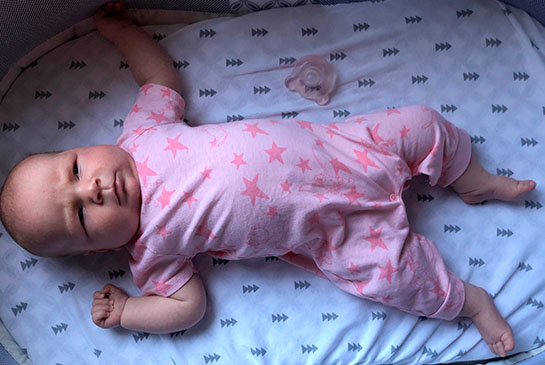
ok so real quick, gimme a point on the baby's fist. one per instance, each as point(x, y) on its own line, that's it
point(111, 19)
point(108, 305)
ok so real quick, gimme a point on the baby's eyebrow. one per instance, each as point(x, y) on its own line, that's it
point(43, 153)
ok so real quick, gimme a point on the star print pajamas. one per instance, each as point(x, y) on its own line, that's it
point(325, 197)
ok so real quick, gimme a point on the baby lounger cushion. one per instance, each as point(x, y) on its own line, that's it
point(478, 63)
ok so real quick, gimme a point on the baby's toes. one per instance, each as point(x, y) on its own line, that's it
point(508, 341)
point(499, 349)
point(492, 349)
point(509, 189)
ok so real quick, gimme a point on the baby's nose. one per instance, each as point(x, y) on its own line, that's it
point(94, 190)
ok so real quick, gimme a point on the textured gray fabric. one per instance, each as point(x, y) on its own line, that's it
point(535, 8)
point(5, 357)
point(24, 24)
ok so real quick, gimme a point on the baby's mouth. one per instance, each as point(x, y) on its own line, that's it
point(117, 189)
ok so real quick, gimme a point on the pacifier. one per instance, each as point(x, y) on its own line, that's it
point(314, 78)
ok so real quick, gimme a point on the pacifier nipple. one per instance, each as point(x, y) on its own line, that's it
point(313, 78)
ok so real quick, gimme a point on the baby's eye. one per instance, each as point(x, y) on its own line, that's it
point(75, 169)
point(81, 217)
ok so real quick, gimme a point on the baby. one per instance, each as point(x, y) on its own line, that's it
point(324, 197)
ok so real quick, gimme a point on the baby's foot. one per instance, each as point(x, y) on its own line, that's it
point(494, 329)
point(497, 187)
point(476, 185)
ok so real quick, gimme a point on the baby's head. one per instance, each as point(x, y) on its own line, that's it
point(72, 202)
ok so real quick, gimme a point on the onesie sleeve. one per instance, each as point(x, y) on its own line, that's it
point(158, 273)
point(154, 105)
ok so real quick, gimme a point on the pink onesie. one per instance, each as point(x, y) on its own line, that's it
point(325, 197)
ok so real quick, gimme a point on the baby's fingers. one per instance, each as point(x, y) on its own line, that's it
point(99, 317)
point(119, 7)
point(100, 308)
point(104, 293)
point(114, 9)
point(101, 301)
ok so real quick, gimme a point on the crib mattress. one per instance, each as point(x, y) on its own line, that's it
point(480, 63)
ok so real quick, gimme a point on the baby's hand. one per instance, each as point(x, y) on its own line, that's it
point(108, 305)
point(111, 18)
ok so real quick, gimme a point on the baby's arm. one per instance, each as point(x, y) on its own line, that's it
point(153, 314)
point(148, 62)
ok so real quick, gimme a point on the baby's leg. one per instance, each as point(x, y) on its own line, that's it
point(493, 327)
point(476, 184)
point(432, 146)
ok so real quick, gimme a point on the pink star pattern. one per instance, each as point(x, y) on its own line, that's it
point(162, 231)
point(139, 131)
point(206, 173)
point(161, 286)
point(374, 134)
point(392, 111)
point(238, 160)
point(134, 148)
point(321, 197)
point(275, 153)
point(254, 129)
point(165, 92)
point(336, 182)
point(164, 198)
point(360, 285)
point(157, 117)
point(353, 195)
point(146, 88)
point(364, 160)
point(204, 231)
point(331, 133)
point(338, 165)
point(303, 165)
point(315, 219)
point(135, 109)
point(188, 198)
point(144, 171)
point(354, 269)
point(386, 300)
point(252, 191)
point(375, 239)
point(286, 186)
point(304, 124)
point(174, 145)
point(272, 212)
point(404, 132)
point(214, 142)
point(412, 264)
point(387, 271)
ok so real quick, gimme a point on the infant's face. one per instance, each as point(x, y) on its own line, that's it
point(85, 199)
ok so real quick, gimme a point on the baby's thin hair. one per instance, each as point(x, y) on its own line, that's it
point(7, 206)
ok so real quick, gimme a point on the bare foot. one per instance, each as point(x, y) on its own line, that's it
point(476, 185)
point(494, 329)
